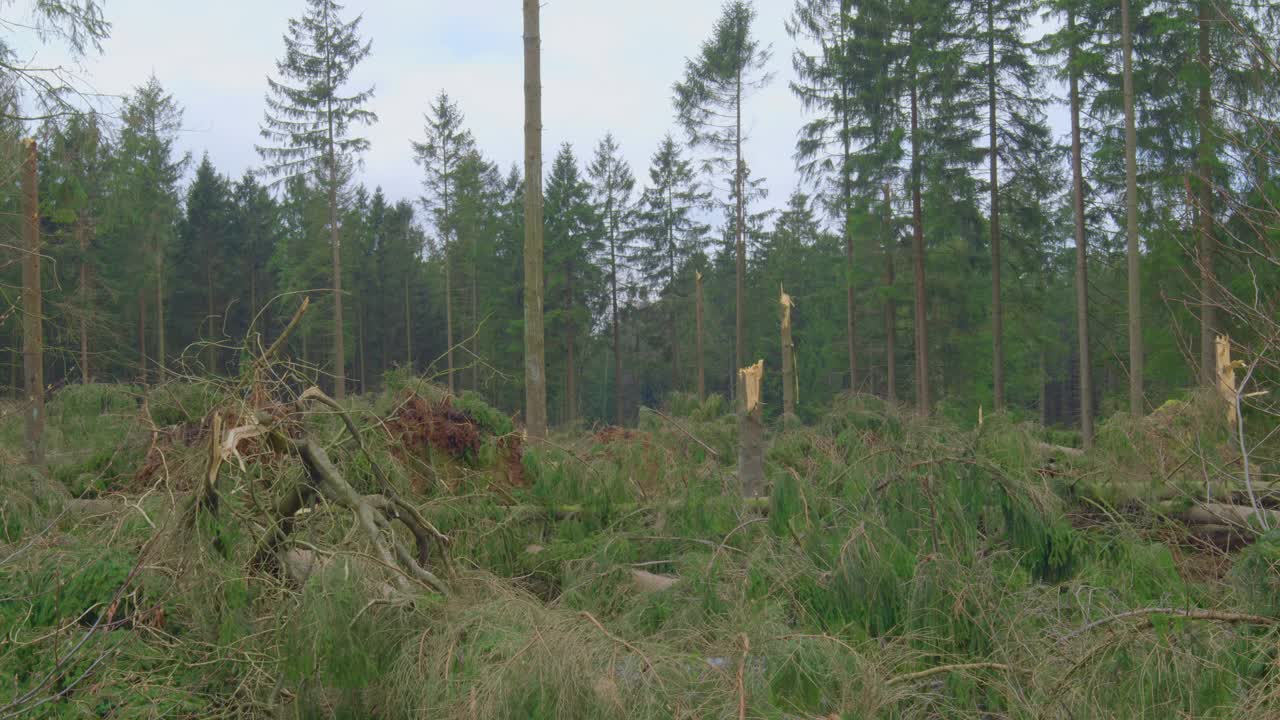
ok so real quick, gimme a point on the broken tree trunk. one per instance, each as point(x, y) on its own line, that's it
point(750, 430)
point(790, 389)
point(32, 327)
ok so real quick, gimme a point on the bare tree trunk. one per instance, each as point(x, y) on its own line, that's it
point(360, 341)
point(335, 241)
point(997, 310)
point(917, 259)
point(617, 329)
point(408, 325)
point(702, 376)
point(1204, 211)
point(142, 336)
point(1136, 399)
point(1082, 256)
point(740, 271)
point(161, 362)
point(750, 430)
point(1044, 389)
point(210, 348)
point(475, 317)
point(448, 317)
point(890, 307)
point(535, 380)
point(571, 337)
point(82, 238)
point(789, 386)
point(32, 312)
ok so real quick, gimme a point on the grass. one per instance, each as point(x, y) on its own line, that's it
point(899, 568)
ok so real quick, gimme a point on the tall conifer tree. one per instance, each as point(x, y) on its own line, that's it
point(309, 122)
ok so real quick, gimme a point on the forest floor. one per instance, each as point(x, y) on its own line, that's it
point(235, 549)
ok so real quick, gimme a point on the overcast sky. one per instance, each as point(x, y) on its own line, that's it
point(608, 65)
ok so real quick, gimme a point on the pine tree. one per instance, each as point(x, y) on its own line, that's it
point(440, 154)
point(709, 102)
point(573, 280)
point(309, 122)
point(669, 234)
point(612, 187)
point(256, 229)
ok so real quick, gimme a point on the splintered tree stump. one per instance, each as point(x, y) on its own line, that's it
point(790, 388)
point(751, 430)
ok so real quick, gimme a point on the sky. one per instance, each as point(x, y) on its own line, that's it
point(607, 65)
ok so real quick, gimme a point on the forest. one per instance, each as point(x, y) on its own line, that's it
point(979, 421)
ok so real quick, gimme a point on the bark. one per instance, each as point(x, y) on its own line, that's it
point(1082, 257)
point(159, 299)
point(142, 336)
point(750, 430)
point(890, 307)
point(360, 342)
point(535, 383)
point(82, 240)
point(997, 310)
point(617, 325)
point(32, 313)
point(571, 337)
point(917, 259)
point(789, 386)
point(1136, 402)
point(448, 318)
point(846, 198)
point(741, 243)
point(1204, 210)
point(408, 327)
point(702, 376)
point(335, 241)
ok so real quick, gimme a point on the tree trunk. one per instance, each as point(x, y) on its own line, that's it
point(571, 331)
point(82, 238)
point(142, 336)
point(917, 259)
point(360, 341)
point(448, 318)
point(846, 203)
point(408, 327)
point(335, 240)
point(1044, 389)
point(997, 310)
point(160, 334)
point(1082, 256)
point(740, 267)
point(535, 382)
point(475, 316)
point(32, 313)
point(890, 307)
point(750, 430)
point(1136, 399)
point(1204, 210)
point(789, 386)
point(210, 347)
point(702, 376)
point(617, 327)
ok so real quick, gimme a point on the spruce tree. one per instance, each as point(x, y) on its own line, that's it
point(200, 257)
point(573, 280)
point(669, 234)
point(440, 154)
point(147, 196)
point(256, 229)
point(612, 187)
point(729, 66)
point(825, 85)
point(309, 123)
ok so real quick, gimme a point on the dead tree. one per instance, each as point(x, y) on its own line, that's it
point(750, 430)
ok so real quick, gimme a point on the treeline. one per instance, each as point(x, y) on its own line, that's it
point(943, 247)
